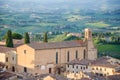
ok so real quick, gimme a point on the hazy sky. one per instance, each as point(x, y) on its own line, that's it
point(90, 4)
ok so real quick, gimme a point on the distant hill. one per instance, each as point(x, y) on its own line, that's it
point(63, 37)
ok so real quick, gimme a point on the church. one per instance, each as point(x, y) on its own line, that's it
point(52, 57)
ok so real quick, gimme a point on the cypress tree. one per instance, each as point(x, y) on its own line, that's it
point(9, 40)
point(27, 38)
point(45, 37)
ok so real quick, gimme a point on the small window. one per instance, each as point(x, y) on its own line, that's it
point(86, 67)
point(6, 67)
point(96, 68)
point(24, 51)
point(97, 74)
point(25, 69)
point(105, 69)
point(13, 58)
point(6, 59)
point(73, 66)
point(81, 67)
point(77, 67)
point(68, 66)
point(113, 71)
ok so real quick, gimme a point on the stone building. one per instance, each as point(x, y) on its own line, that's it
point(106, 66)
point(102, 67)
point(41, 58)
point(8, 56)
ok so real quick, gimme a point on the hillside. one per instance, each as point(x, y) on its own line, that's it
point(58, 15)
point(63, 37)
point(109, 50)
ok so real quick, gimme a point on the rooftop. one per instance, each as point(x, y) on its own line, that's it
point(4, 49)
point(6, 75)
point(15, 41)
point(92, 76)
point(104, 62)
point(80, 62)
point(114, 77)
point(54, 45)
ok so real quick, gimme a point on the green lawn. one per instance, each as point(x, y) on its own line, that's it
point(98, 24)
point(109, 49)
point(63, 37)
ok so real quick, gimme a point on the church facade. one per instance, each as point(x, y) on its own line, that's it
point(42, 58)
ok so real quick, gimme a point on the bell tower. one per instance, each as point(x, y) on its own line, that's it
point(88, 34)
point(91, 51)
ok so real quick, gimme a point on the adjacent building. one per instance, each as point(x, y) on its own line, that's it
point(106, 66)
point(100, 68)
point(8, 56)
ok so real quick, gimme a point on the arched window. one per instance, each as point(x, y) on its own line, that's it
point(76, 54)
point(84, 54)
point(68, 56)
point(56, 57)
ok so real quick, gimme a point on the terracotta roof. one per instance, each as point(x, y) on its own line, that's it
point(54, 45)
point(15, 41)
point(6, 75)
point(92, 76)
point(85, 79)
point(4, 49)
point(80, 62)
point(103, 62)
point(114, 77)
point(56, 77)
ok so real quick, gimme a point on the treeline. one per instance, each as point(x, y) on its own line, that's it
point(106, 37)
point(9, 36)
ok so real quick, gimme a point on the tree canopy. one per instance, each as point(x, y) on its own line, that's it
point(45, 37)
point(9, 40)
point(26, 38)
point(17, 36)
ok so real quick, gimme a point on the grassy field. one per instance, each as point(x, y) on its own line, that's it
point(98, 24)
point(63, 37)
point(109, 49)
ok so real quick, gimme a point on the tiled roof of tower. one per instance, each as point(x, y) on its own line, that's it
point(55, 45)
point(4, 49)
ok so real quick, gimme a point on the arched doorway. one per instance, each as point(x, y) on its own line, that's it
point(13, 68)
